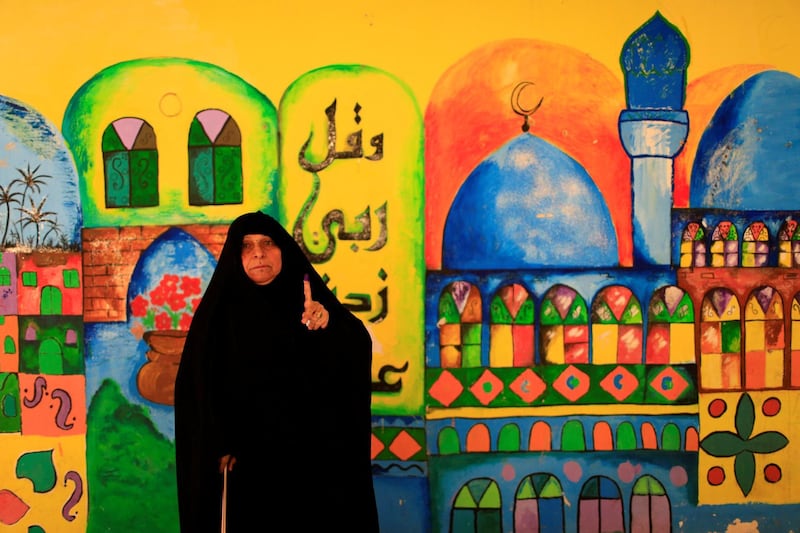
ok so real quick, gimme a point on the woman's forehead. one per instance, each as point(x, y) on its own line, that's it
point(256, 237)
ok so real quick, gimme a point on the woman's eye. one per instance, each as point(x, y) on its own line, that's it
point(261, 245)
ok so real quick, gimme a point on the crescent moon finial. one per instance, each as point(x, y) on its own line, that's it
point(517, 107)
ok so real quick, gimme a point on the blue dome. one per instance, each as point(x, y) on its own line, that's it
point(746, 158)
point(654, 59)
point(528, 205)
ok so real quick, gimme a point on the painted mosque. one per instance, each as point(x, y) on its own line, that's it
point(563, 392)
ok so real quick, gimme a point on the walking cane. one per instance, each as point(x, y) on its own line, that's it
point(224, 499)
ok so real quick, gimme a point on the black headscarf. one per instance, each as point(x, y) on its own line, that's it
point(292, 405)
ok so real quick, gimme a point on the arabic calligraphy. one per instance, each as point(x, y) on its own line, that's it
point(363, 231)
point(354, 141)
point(361, 228)
point(384, 386)
point(360, 302)
point(363, 302)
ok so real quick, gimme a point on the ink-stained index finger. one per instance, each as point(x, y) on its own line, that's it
point(307, 289)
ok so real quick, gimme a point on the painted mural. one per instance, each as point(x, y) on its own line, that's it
point(582, 285)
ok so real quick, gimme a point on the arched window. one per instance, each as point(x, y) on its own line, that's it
point(649, 437)
point(9, 345)
point(755, 245)
point(626, 437)
point(478, 439)
point(692, 439)
point(564, 330)
point(215, 159)
point(130, 163)
point(651, 510)
point(720, 341)
point(51, 302)
point(725, 245)
point(51, 357)
point(600, 507)
point(693, 245)
point(448, 442)
point(616, 327)
point(573, 438)
point(763, 339)
point(477, 508)
point(602, 439)
point(509, 438)
point(539, 505)
point(671, 437)
point(789, 244)
point(9, 330)
point(670, 327)
point(10, 403)
point(541, 439)
point(460, 325)
point(511, 327)
point(794, 360)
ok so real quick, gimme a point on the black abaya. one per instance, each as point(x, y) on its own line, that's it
point(292, 405)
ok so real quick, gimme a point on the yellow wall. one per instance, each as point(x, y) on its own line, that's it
point(51, 47)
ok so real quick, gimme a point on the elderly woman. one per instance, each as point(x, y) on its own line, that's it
point(274, 387)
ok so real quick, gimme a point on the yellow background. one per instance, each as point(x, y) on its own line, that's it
point(50, 47)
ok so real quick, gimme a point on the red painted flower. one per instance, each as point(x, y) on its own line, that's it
point(170, 305)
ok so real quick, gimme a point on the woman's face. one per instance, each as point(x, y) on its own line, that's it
point(261, 258)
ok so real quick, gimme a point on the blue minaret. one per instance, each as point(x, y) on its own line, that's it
point(653, 130)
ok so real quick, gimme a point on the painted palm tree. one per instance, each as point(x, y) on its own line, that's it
point(7, 199)
point(54, 232)
point(32, 182)
point(35, 216)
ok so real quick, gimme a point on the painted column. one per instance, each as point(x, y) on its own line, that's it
point(653, 130)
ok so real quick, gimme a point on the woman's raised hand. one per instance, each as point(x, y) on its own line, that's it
point(315, 316)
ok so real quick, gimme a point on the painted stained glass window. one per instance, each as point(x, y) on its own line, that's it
point(600, 507)
point(651, 511)
point(755, 245)
point(130, 164)
point(763, 339)
point(564, 327)
point(215, 159)
point(789, 244)
point(511, 327)
point(460, 325)
point(616, 327)
point(670, 328)
point(477, 508)
point(693, 245)
point(794, 359)
point(725, 245)
point(539, 505)
point(720, 341)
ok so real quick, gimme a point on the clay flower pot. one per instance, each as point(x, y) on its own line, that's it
point(156, 378)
